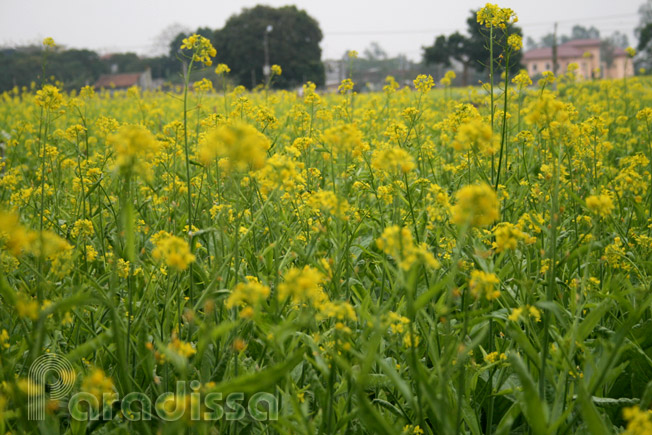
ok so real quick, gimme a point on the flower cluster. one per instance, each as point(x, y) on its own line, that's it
point(175, 251)
point(201, 47)
point(398, 243)
point(476, 205)
point(494, 16)
point(484, 284)
point(239, 143)
point(135, 148)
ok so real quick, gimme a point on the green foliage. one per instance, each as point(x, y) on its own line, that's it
point(293, 44)
point(471, 49)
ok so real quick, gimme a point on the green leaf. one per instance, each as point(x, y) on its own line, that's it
point(534, 409)
point(261, 381)
point(505, 424)
point(590, 414)
point(593, 318)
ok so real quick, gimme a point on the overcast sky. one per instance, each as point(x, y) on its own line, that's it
point(400, 26)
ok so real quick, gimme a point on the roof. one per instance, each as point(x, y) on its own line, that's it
point(570, 49)
point(583, 43)
point(619, 52)
point(117, 80)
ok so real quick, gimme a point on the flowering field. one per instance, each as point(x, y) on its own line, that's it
point(421, 260)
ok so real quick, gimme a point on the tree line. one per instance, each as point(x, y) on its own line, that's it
point(292, 41)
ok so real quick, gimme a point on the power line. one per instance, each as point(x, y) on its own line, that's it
point(614, 20)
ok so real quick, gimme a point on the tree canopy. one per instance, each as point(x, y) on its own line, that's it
point(293, 43)
point(471, 50)
point(644, 34)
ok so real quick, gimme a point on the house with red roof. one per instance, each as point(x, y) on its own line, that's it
point(586, 54)
point(126, 80)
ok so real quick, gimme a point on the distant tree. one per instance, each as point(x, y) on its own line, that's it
point(375, 52)
point(161, 44)
point(462, 49)
point(644, 34)
point(439, 53)
point(547, 40)
point(163, 67)
point(471, 51)
point(74, 68)
point(293, 42)
point(125, 62)
point(619, 39)
point(530, 43)
point(581, 32)
point(609, 45)
point(577, 32)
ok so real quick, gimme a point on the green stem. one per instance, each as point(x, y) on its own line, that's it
point(188, 179)
point(503, 136)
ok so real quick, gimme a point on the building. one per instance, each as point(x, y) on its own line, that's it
point(335, 70)
point(586, 53)
point(124, 81)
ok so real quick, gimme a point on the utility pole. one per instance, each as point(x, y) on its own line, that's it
point(554, 51)
point(266, 68)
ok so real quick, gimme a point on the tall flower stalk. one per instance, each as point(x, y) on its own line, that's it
point(202, 51)
point(494, 17)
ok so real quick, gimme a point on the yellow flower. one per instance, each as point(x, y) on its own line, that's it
point(645, 114)
point(484, 284)
point(491, 357)
point(83, 228)
point(249, 294)
point(98, 384)
point(4, 339)
point(303, 286)
point(493, 16)
point(15, 237)
point(203, 85)
point(528, 310)
point(339, 310)
point(124, 268)
point(602, 205)
point(515, 41)
point(515, 314)
point(91, 253)
point(475, 134)
point(423, 83)
point(49, 97)
point(352, 54)
point(639, 422)
point(276, 70)
point(448, 78)
point(222, 68)
point(391, 85)
point(201, 47)
point(49, 42)
point(328, 202)
point(631, 52)
point(345, 139)
point(476, 205)
point(548, 77)
point(241, 144)
point(522, 79)
point(393, 160)
point(181, 348)
point(175, 251)
point(345, 86)
point(398, 243)
point(507, 236)
point(135, 148)
point(27, 308)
